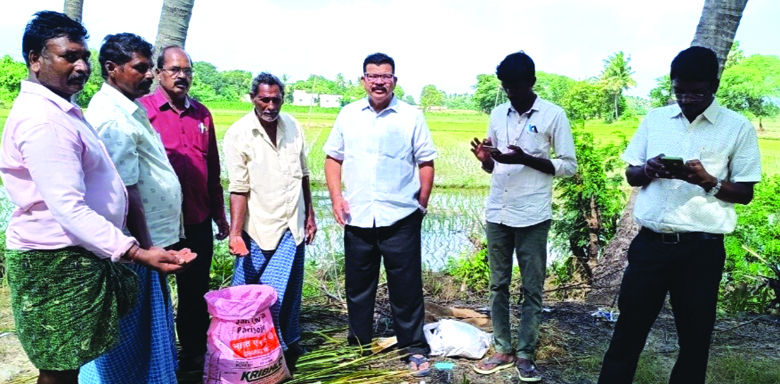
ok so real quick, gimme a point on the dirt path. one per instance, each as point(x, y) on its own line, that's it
point(571, 345)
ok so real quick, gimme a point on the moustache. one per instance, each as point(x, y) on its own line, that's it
point(146, 84)
point(182, 83)
point(77, 80)
point(379, 88)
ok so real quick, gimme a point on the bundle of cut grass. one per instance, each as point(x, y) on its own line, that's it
point(335, 362)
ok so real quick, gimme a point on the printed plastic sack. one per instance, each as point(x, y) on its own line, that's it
point(455, 338)
point(242, 343)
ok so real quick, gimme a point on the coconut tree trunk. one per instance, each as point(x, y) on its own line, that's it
point(174, 22)
point(73, 9)
point(716, 30)
point(718, 26)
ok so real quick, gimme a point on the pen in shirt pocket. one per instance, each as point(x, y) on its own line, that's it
point(532, 128)
point(202, 128)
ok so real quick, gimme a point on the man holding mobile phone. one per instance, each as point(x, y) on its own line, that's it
point(684, 210)
point(521, 135)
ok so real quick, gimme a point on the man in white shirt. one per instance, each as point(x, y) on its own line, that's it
point(693, 161)
point(147, 348)
point(521, 134)
point(270, 205)
point(384, 149)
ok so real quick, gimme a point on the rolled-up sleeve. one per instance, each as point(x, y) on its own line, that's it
point(53, 157)
point(334, 147)
point(122, 146)
point(422, 142)
point(236, 164)
point(565, 161)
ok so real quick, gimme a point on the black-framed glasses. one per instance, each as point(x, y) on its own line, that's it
point(378, 76)
point(175, 71)
point(267, 100)
point(694, 97)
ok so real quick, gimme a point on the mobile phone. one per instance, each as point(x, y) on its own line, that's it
point(672, 162)
point(493, 150)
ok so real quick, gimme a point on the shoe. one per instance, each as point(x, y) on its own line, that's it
point(527, 371)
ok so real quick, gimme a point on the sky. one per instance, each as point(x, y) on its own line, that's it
point(446, 43)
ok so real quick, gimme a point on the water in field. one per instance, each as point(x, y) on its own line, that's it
point(455, 216)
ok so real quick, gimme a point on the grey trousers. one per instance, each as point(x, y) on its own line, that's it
point(530, 243)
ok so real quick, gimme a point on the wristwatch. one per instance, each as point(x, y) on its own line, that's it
point(714, 190)
point(422, 209)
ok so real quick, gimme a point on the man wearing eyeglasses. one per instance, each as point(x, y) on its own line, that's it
point(692, 161)
point(271, 211)
point(383, 149)
point(521, 135)
point(186, 128)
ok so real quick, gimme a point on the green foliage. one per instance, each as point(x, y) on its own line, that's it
point(758, 230)
point(472, 270)
point(752, 86)
point(210, 84)
point(585, 100)
point(552, 87)
point(735, 55)
point(662, 93)
point(488, 93)
point(93, 84)
point(615, 78)
point(460, 101)
point(12, 73)
point(592, 200)
point(430, 97)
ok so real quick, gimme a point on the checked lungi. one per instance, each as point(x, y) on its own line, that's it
point(282, 269)
point(147, 346)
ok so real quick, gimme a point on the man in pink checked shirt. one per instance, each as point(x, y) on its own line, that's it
point(65, 243)
point(186, 128)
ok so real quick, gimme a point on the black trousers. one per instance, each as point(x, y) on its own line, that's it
point(399, 245)
point(192, 317)
point(690, 271)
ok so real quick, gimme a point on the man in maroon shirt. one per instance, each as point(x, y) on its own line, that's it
point(187, 131)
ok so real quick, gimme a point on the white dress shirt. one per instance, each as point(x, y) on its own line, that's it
point(726, 144)
point(381, 153)
point(521, 196)
point(139, 156)
point(272, 174)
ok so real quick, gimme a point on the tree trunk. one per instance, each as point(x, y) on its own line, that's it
point(174, 22)
point(73, 9)
point(716, 30)
point(718, 26)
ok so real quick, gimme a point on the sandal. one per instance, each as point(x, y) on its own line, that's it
point(419, 360)
point(492, 365)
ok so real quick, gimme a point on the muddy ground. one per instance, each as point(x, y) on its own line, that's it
point(572, 342)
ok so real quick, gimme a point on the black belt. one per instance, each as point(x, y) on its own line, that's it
point(680, 237)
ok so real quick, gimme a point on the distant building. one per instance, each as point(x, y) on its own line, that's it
point(303, 98)
point(330, 101)
point(306, 99)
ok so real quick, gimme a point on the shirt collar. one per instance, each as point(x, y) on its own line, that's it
point(41, 90)
point(393, 106)
point(160, 100)
point(119, 99)
point(534, 107)
point(711, 113)
point(256, 126)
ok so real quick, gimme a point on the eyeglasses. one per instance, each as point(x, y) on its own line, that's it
point(373, 77)
point(276, 100)
point(694, 97)
point(175, 71)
